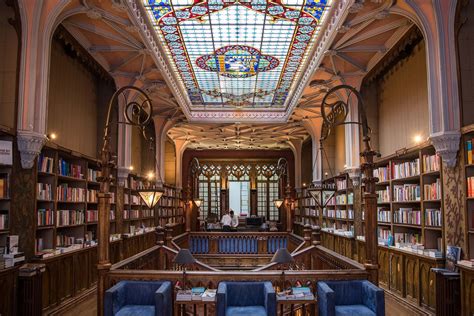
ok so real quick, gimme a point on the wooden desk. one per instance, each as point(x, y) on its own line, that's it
point(180, 307)
point(290, 304)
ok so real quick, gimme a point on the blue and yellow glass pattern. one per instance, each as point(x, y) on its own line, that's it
point(244, 52)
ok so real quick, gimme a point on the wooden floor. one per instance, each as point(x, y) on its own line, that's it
point(392, 308)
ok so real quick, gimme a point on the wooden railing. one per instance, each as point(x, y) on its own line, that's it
point(241, 243)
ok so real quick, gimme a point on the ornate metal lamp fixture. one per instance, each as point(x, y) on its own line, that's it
point(335, 114)
point(137, 112)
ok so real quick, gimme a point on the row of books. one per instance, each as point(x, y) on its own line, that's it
point(384, 233)
point(432, 191)
point(135, 214)
point(383, 214)
point(45, 217)
point(68, 169)
point(170, 212)
point(69, 194)
point(470, 186)
point(469, 152)
point(69, 217)
point(404, 238)
point(383, 196)
point(433, 217)
point(45, 192)
point(3, 221)
point(341, 184)
point(340, 214)
point(92, 196)
point(4, 186)
point(383, 173)
point(407, 216)
point(166, 201)
point(45, 164)
point(406, 169)
point(406, 192)
point(92, 216)
point(431, 163)
point(92, 175)
point(135, 184)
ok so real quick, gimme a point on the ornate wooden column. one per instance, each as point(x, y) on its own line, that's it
point(253, 191)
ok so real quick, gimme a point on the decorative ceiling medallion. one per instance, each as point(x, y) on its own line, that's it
point(237, 61)
point(238, 47)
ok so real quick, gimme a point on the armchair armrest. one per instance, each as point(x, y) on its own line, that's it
point(163, 299)
point(221, 299)
point(270, 298)
point(326, 300)
point(114, 299)
point(373, 297)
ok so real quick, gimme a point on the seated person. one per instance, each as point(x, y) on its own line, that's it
point(229, 221)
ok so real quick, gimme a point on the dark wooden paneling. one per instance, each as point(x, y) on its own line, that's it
point(8, 289)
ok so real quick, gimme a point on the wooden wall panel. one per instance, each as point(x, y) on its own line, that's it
point(8, 66)
point(466, 63)
point(307, 162)
point(403, 103)
point(340, 149)
point(170, 163)
point(72, 102)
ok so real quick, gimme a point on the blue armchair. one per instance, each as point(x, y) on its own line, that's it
point(354, 298)
point(246, 298)
point(133, 298)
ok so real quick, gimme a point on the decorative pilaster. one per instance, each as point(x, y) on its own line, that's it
point(296, 146)
point(122, 175)
point(29, 145)
point(313, 126)
point(447, 146)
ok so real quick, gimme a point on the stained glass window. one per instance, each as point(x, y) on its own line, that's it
point(245, 53)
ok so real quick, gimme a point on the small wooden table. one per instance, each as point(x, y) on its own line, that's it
point(180, 306)
point(310, 303)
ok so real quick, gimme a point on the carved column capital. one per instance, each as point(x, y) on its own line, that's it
point(447, 146)
point(354, 174)
point(122, 175)
point(29, 145)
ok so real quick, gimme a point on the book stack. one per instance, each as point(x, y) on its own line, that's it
point(184, 295)
point(45, 164)
point(406, 192)
point(383, 196)
point(69, 217)
point(470, 187)
point(432, 191)
point(407, 216)
point(92, 216)
point(431, 163)
point(69, 170)
point(13, 259)
point(432, 217)
point(406, 169)
point(469, 151)
point(92, 175)
point(3, 221)
point(382, 173)
point(383, 214)
point(433, 253)
point(196, 293)
point(402, 238)
point(384, 233)
point(45, 217)
point(209, 295)
point(302, 293)
point(3, 186)
point(44, 192)
point(68, 194)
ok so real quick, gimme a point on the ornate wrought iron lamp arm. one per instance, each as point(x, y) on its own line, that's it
point(335, 114)
point(137, 112)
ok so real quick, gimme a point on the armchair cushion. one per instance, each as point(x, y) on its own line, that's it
point(246, 311)
point(246, 298)
point(138, 298)
point(357, 297)
point(351, 310)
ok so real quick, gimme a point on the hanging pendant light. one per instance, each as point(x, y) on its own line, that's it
point(278, 202)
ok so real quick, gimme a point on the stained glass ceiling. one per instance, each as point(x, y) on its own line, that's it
point(238, 53)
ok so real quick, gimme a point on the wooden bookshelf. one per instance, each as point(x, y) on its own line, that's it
point(468, 143)
point(170, 208)
point(5, 192)
point(409, 203)
point(306, 213)
point(338, 215)
point(66, 200)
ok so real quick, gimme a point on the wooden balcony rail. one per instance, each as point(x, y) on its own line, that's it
point(242, 243)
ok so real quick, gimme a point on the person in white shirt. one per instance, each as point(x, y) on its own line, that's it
point(229, 221)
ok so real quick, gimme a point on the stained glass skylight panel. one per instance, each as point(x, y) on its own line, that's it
point(244, 53)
